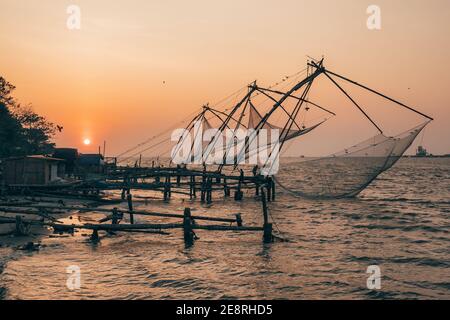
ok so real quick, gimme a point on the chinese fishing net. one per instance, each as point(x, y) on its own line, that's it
point(346, 173)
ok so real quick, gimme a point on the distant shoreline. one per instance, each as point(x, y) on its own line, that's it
point(404, 156)
point(428, 156)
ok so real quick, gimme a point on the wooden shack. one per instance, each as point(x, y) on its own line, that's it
point(32, 170)
point(69, 155)
point(91, 163)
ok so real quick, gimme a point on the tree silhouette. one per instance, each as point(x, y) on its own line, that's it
point(22, 131)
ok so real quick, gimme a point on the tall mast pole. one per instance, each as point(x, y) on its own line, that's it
point(378, 93)
point(252, 89)
point(319, 70)
point(188, 128)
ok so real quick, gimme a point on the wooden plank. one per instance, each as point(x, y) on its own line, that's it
point(136, 212)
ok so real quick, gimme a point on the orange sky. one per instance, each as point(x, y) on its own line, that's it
point(106, 81)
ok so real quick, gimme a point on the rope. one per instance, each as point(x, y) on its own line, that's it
point(234, 96)
point(156, 136)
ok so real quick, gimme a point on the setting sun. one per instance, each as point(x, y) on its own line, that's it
point(87, 142)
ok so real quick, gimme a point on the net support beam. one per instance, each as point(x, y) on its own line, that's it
point(354, 102)
point(379, 94)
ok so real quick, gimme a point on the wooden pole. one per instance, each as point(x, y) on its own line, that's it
point(135, 227)
point(178, 176)
point(130, 207)
point(209, 191)
point(21, 228)
point(267, 237)
point(94, 236)
point(239, 220)
point(226, 190)
point(269, 188)
point(273, 189)
point(135, 212)
point(169, 186)
point(114, 218)
point(203, 191)
point(227, 228)
point(264, 206)
point(187, 228)
point(166, 191)
point(238, 194)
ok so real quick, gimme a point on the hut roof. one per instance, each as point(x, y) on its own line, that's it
point(37, 157)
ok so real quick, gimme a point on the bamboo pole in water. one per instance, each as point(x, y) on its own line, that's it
point(121, 227)
point(135, 212)
point(267, 237)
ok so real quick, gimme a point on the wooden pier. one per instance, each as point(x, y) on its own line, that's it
point(195, 184)
point(167, 181)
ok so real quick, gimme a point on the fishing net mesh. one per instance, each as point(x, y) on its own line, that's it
point(346, 173)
